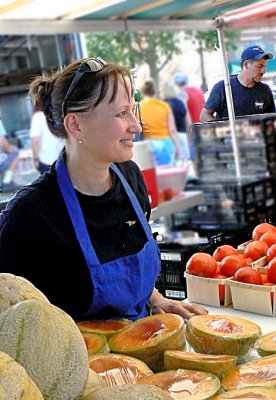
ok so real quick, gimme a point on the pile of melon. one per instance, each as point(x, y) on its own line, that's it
point(44, 354)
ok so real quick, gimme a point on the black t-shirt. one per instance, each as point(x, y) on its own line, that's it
point(179, 113)
point(37, 240)
point(247, 101)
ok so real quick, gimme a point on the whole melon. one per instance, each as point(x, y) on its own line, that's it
point(221, 334)
point(148, 338)
point(248, 393)
point(182, 383)
point(118, 369)
point(14, 289)
point(15, 382)
point(218, 365)
point(47, 343)
point(95, 343)
point(266, 344)
point(94, 383)
point(259, 372)
point(130, 391)
point(106, 327)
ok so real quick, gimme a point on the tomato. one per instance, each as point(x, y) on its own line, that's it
point(264, 278)
point(221, 287)
point(255, 249)
point(230, 264)
point(269, 238)
point(271, 253)
point(161, 197)
point(223, 251)
point(168, 193)
point(202, 264)
point(248, 275)
point(260, 229)
point(271, 293)
point(271, 271)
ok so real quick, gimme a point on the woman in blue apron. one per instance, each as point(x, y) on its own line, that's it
point(85, 240)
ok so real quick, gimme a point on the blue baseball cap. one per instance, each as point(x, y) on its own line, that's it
point(180, 78)
point(255, 53)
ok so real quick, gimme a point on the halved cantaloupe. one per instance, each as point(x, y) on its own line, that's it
point(249, 393)
point(95, 343)
point(118, 369)
point(222, 334)
point(266, 344)
point(260, 372)
point(180, 383)
point(105, 327)
point(218, 365)
point(148, 338)
point(130, 391)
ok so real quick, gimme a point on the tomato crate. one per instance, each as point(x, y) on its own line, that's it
point(207, 290)
point(258, 299)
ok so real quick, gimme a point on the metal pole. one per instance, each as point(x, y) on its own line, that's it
point(229, 102)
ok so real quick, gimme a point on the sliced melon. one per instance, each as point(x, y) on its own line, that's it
point(260, 372)
point(222, 334)
point(105, 327)
point(249, 393)
point(148, 338)
point(130, 391)
point(95, 343)
point(266, 344)
point(218, 365)
point(180, 383)
point(118, 369)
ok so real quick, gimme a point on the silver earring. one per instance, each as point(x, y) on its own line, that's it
point(79, 140)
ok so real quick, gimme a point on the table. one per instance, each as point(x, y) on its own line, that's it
point(181, 202)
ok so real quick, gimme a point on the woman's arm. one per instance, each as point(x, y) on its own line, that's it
point(174, 135)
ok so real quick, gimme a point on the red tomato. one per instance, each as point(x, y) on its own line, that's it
point(269, 238)
point(260, 229)
point(271, 253)
point(255, 249)
point(168, 193)
point(264, 278)
point(230, 264)
point(271, 271)
point(223, 251)
point(248, 275)
point(271, 293)
point(221, 287)
point(202, 264)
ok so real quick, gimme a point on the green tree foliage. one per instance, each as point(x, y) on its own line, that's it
point(209, 39)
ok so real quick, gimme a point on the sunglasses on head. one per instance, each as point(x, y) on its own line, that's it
point(93, 64)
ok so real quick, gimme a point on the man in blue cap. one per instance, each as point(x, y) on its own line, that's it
point(250, 95)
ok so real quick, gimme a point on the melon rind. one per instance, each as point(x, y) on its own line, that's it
point(47, 343)
point(130, 391)
point(266, 344)
point(150, 348)
point(94, 383)
point(14, 289)
point(203, 339)
point(259, 372)
point(15, 383)
point(181, 383)
point(104, 326)
point(218, 365)
point(250, 392)
point(95, 343)
point(118, 369)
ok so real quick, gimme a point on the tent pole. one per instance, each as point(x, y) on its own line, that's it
point(229, 101)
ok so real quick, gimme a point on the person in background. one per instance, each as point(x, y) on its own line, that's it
point(191, 95)
point(250, 95)
point(45, 146)
point(9, 159)
point(159, 126)
point(80, 231)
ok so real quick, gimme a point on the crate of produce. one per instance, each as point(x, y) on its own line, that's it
point(208, 291)
point(258, 299)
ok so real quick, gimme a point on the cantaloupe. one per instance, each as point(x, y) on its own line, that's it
point(130, 391)
point(259, 372)
point(218, 365)
point(15, 383)
point(106, 327)
point(95, 343)
point(48, 344)
point(148, 338)
point(94, 383)
point(117, 369)
point(249, 393)
point(266, 344)
point(182, 383)
point(14, 289)
point(222, 334)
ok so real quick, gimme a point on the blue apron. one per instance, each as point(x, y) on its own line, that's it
point(123, 285)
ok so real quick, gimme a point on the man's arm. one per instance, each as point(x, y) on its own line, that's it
point(206, 115)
